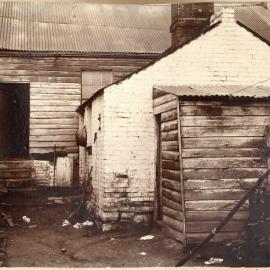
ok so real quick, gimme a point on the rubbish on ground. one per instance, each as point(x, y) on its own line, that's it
point(143, 253)
point(213, 261)
point(147, 237)
point(58, 202)
point(82, 225)
point(77, 226)
point(8, 219)
point(65, 223)
point(63, 250)
point(33, 226)
point(112, 239)
point(26, 219)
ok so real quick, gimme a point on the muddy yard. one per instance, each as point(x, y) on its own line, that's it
point(51, 245)
point(44, 242)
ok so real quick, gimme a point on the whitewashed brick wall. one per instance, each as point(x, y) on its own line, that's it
point(228, 54)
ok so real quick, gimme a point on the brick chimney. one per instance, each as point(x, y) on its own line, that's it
point(188, 20)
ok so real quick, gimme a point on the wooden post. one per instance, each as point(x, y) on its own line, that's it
point(181, 170)
point(267, 138)
point(158, 199)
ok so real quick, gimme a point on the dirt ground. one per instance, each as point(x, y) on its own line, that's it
point(51, 245)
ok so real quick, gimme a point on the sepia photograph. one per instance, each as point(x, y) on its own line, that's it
point(134, 134)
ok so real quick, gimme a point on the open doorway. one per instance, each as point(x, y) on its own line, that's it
point(14, 120)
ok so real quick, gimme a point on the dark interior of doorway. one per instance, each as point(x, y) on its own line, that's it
point(14, 120)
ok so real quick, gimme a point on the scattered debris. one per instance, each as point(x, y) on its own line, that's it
point(147, 237)
point(33, 226)
point(83, 225)
point(112, 239)
point(8, 219)
point(87, 223)
point(213, 261)
point(143, 253)
point(63, 250)
point(77, 226)
point(65, 223)
point(26, 219)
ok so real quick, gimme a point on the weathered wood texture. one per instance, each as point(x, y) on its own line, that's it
point(172, 208)
point(55, 92)
point(223, 154)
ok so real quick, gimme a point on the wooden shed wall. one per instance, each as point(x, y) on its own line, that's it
point(55, 92)
point(223, 154)
point(171, 200)
point(222, 149)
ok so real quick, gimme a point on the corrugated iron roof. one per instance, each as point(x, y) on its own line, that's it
point(217, 91)
point(256, 18)
point(83, 27)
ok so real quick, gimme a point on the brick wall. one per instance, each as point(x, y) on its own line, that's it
point(228, 54)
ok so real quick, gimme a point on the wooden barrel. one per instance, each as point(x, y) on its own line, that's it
point(81, 137)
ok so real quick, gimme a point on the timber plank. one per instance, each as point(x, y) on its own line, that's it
point(170, 125)
point(169, 145)
point(200, 121)
point(51, 144)
point(171, 204)
point(219, 237)
point(47, 132)
point(220, 184)
point(49, 102)
point(222, 142)
point(163, 99)
point(218, 215)
point(230, 131)
point(174, 234)
point(57, 121)
point(169, 135)
point(222, 152)
point(169, 174)
point(45, 108)
point(168, 116)
point(171, 185)
point(213, 205)
point(208, 226)
point(53, 126)
point(55, 138)
point(201, 110)
point(170, 165)
point(201, 163)
point(170, 155)
point(222, 173)
point(214, 194)
point(171, 195)
point(175, 214)
point(51, 115)
point(165, 107)
point(61, 96)
point(172, 223)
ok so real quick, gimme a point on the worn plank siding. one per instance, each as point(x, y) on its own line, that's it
point(55, 89)
point(222, 142)
point(200, 121)
point(223, 154)
point(224, 173)
point(209, 109)
point(230, 131)
point(173, 219)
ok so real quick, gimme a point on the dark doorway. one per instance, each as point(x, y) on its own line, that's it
point(14, 120)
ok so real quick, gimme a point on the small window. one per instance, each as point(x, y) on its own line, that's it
point(92, 81)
